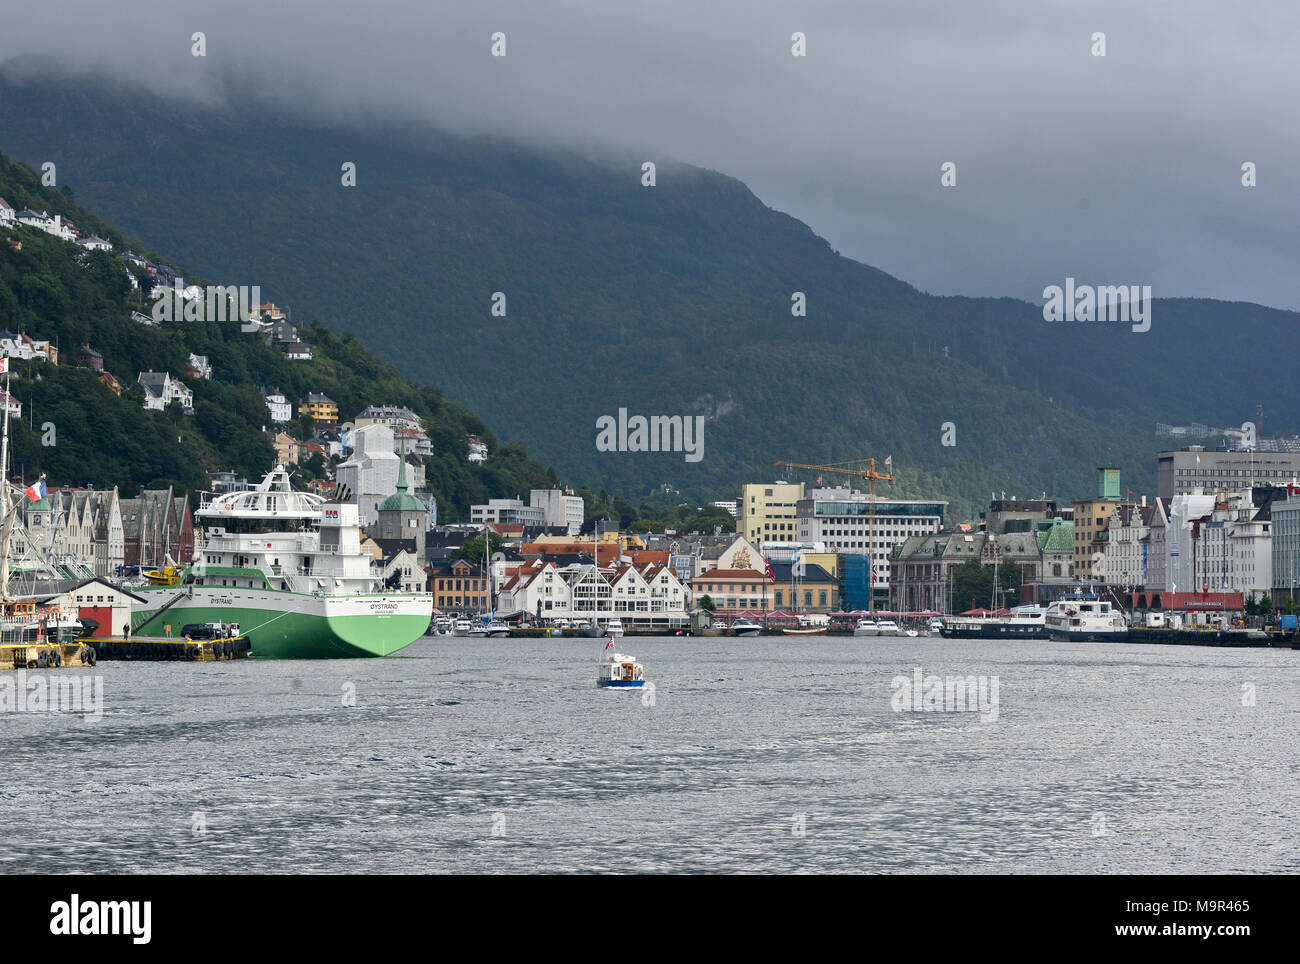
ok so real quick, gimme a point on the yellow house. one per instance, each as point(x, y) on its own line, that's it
point(321, 408)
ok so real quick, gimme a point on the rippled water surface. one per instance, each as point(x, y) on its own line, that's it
point(502, 756)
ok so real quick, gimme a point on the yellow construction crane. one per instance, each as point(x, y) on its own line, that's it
point(872, 477)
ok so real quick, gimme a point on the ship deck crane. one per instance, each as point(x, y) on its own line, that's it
point(871, 476)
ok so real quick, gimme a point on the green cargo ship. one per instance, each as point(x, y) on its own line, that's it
point(288, 568)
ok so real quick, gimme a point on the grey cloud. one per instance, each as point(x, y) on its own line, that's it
point(1119, 169)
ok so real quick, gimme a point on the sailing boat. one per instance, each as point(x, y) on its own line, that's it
point(490, 626)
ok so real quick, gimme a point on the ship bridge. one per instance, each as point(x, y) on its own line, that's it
point(272, 498)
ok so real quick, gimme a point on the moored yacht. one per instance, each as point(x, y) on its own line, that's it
point(1024, 622)
point(887, 627)
point(866, 627)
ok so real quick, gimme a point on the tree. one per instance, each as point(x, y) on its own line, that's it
point(472, 550)
point(313, 466)
point(972, 585)
point(707, 604)
point(1288, 606)
point(1252, 605)
point(1265, 604)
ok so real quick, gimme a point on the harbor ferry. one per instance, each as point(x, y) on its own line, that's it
point(1079, 616)
point(619, 670)
point(288, 567)
point(1022, 622)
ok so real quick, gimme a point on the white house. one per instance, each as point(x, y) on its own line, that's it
point(539, 589)
point(403, 567)
point(298, 351)
point(94, 243)
point(649, 596)
point(50, 225)
point(199, 367)
point(8, 217)
point(35, 219)
point(13, 345)
point(161, 389)
point(281, 408)
point(11, 404)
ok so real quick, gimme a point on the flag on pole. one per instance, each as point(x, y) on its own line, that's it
point(4, 366)
point(819, 480)
point(767, 563)
point(36, 491)
point(610, 644)
point(889, 460)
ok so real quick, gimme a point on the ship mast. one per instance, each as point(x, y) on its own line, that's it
point(6, 504)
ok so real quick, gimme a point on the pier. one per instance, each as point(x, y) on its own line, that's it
point(46, 655)
point(164, 649)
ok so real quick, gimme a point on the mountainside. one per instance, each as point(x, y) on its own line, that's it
point(664, 301)
point(76, 430)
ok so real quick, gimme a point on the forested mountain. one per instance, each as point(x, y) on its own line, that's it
point(53, 290)
point(672, 299)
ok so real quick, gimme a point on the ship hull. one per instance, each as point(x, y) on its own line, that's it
point(1087, 635)
point(287, 625)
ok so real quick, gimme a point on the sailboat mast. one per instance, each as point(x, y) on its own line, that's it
point(6, 506)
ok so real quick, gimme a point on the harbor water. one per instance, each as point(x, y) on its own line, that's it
point(747, 755)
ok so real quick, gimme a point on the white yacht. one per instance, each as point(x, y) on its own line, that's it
point(887, 627)
point(746, 627)
point(1080, 616)
point(614, 628)
point(866, 627)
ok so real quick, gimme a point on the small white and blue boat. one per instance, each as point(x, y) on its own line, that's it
point(617, 669)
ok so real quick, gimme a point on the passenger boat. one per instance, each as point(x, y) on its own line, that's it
point(1023, 622)
point(1079, 616)
point(810, 625)
point(866, 627)
point(619, 670)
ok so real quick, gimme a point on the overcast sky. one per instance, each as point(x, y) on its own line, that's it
point(1117, 169)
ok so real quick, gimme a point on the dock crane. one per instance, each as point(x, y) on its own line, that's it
point(872, 477)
